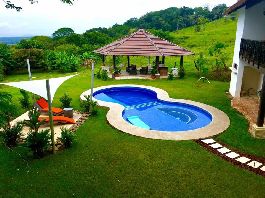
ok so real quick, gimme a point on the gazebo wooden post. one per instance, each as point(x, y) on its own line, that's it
point(103, 59)
point(157, 62)
point(261, 114)
point(114, 62)
point(149, 60)
point(128, 61)
point(163, 60)
point(181, 61)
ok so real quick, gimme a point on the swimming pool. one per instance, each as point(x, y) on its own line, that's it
point(149, 112)
point(144, 109)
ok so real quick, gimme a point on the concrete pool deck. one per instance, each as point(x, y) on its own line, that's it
point(220, 121)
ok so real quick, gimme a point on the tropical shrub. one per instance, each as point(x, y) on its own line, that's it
point(67, 137)
point(154, 70)
point(67, 48)
point(104, 75)
point(65, 101)
point(33, 123)
point(12, 134)
point(7, 109)
point(201, 65)
point(38, 142)
point(170, 76)
point(89, 106)
point(181, 72)
point(24, 101)
point(66, 63)
point(98, 74)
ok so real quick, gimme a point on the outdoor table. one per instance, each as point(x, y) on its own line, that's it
point(68, 112)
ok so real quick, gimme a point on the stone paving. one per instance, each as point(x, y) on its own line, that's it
point(246, 162)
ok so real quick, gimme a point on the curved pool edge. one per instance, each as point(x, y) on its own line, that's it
point(220, 121)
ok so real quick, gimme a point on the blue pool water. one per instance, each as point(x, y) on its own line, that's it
point(157, 114)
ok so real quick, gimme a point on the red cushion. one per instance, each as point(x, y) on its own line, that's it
point(42, 103)
point(61, 119)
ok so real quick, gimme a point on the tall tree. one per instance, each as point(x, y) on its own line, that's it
point(63, 32)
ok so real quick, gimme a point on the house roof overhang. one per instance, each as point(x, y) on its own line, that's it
point(241, 3)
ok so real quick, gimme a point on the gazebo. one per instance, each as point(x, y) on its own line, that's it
point(142, 43)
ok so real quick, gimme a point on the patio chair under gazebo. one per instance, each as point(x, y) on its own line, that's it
point(142, 43)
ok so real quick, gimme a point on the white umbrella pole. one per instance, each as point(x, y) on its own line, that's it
point(92, 81)
point(50, 114)
point(29, 70)
point(92, 86)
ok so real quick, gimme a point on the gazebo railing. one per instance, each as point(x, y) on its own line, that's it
point(253, 52)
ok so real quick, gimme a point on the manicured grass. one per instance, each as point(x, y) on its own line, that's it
point(109, 163)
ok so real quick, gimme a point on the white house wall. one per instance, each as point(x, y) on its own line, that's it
point(255, 22)
point(237, 74)
point(250, 25)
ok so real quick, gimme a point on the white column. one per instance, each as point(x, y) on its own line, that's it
point(237, 74)
point(260, 81)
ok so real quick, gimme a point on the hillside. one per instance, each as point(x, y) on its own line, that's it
point(222, 30)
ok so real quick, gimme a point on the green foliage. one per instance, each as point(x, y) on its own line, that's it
point(29, 44)
point(33, 122)
point(200, 24)
point(172, 19)
point(6, 60)
point(1, 71)
point(67, 48)
point(44, 41)
point(104, 75)
point(12, 134)
point(162, 34)
point(154, 70)
point(63, 61)
point(98, 74)
point(67, 137)
point(65, 101)
point(181, 72)
point(62, 32)
point(7, 109)
point(170, 76)
point(38, 142)
point(24, 101)
point(201, 65)
point(36, 56)
point(10, 5)
point(89, 106)
point(117, 70)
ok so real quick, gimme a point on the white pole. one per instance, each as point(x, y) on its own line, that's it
point(92, 81)
point(50, 114)
point(30, 76)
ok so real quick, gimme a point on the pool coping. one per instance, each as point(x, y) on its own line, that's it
point(220, 121)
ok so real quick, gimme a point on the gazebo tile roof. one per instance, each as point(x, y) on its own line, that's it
point(142, 43)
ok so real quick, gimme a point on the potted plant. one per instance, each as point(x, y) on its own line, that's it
point(153, 73)
point(117, 72)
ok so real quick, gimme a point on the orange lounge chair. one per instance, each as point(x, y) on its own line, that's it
point(58, 119)
point(44, 107)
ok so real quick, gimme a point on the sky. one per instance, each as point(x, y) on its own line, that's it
point(46, 16)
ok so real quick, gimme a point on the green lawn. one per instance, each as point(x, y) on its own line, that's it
point(109, 163)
